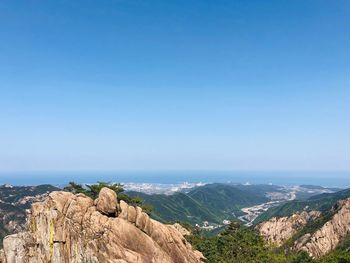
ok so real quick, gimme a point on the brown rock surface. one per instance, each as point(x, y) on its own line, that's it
point(70, 228)
point(278, 230)
point(107, 201)
point(181, 229)
point(329, 235)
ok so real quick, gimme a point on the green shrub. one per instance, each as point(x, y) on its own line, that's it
point(93, 190)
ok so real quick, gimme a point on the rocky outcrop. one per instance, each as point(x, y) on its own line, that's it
point(327, 238)
point(14, 200)
point(316, 244)
point(72, 228)
point(278, 230)
point(181, 229)
point(106, 203)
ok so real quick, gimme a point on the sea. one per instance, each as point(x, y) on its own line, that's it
point(287, 178)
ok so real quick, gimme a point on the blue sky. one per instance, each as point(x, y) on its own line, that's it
point(209, 85)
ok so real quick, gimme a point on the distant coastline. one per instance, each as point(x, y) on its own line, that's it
point(327, 179)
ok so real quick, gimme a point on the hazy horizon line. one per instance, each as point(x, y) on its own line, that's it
point(171, 170)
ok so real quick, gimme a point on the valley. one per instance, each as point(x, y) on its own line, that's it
point(209, 205)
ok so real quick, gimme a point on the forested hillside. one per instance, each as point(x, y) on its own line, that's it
point(321, 202)
point(212, 202)
point(239, 244)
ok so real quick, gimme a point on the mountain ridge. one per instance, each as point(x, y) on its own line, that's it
point(321, 202)
point(212, 202)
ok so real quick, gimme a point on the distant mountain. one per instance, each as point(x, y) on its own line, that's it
point(322, 202)
point(316, 187)
point(212, 202)
point(177, 207)
point(312, 190)
point(226, 199)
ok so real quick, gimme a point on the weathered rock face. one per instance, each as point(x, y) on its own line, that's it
point(13, 205)
point(70, 228)
point(278, 230)
point(181, 229)
point(106, 203)
point(329, 235)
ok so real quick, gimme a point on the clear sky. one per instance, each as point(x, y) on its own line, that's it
point(185, 84)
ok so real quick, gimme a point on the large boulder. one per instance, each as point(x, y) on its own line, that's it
point(107, 201)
